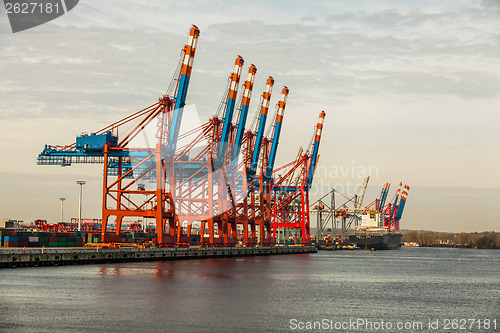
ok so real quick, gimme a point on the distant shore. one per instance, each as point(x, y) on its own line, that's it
point(475, 240)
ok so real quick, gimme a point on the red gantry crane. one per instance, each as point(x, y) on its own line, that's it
point(192, 184)
point(291, 202)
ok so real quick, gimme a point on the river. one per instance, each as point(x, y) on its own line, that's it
point(342, 291)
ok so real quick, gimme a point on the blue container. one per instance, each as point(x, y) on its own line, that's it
point(95, 142)
point(70, 239)
point(23, 239)
point(11, 239)
point(33, 244)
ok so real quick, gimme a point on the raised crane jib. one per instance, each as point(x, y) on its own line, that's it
point(182, 88)
point(276, 132)
point(395, 204)
point(243, 111)
point(383, 197)
point(264, 108)
point(230, 102)
point(402, 202)
point(317, 140)
point(361, 195)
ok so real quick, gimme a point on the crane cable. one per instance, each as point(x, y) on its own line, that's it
point(175, 79)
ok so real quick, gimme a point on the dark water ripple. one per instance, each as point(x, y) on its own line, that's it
point(259, 294)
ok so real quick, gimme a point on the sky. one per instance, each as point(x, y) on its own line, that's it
point(410, 90)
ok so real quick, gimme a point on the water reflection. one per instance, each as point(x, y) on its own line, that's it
point(253, 294)
point(197, 268)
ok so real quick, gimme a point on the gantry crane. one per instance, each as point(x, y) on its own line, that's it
point(131, 166)
point(391, 213)
point(195, 182)
point(291, 202)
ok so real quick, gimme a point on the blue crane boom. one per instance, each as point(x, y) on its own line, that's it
point(402, 202)
point(383, 197)
point(276, 133)
point(264, 108)
point(182, 88)
point(243, 112)
point(314, 156)
point(395, 204)
point(234, 79)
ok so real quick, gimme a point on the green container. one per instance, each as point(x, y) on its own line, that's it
point(78, 239)
point(70, 244)
point(2, 233)
point(46, 244)
point(53, 244)
point(43, 239)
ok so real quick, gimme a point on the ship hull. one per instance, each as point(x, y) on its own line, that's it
point(376, 240)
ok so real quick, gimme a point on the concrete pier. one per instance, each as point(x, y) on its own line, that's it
point(33, 257)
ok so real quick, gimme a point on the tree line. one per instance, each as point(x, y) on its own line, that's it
point(480, 240)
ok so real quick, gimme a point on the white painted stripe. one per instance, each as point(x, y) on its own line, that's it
point(63, 3)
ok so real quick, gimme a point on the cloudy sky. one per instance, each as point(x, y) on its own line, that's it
point(410, 88)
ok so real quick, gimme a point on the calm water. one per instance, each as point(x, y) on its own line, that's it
point(259, 294)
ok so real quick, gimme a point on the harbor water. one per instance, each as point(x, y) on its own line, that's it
point(361, 290)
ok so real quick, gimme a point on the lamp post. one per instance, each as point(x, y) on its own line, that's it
point(81, 183)
point(62, 208)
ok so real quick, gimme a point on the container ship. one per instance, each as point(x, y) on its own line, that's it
point(376, 238)
point(379, 229)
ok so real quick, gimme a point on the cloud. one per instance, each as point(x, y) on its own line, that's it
point(92, 63)
point(460, 194)
point(409, 87)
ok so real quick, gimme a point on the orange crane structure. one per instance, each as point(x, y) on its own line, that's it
point(215, 182)
point(291, 201)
